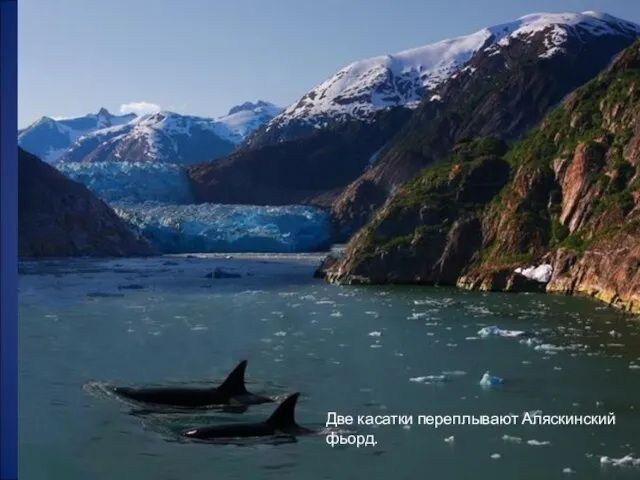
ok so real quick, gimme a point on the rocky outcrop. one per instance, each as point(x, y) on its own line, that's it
point(566, 195)
point(58, 217)
point(431, 229)
point(608, 271)
point(501, 92)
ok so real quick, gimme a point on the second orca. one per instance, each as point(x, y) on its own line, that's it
point(231, 392)
point(281, 421)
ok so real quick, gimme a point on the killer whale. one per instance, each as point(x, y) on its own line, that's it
point(231, 392)
point(281, 421)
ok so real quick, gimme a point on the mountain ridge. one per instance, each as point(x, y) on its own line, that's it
point(403, 78)
point(48, 138)
point(355, 159)
point(104, 136)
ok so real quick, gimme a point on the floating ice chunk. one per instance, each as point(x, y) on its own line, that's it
point(493, 330)
point(450, 439)
point(489, 380)
point(375, 334)
point(210, 228)
point(541, 273)
point(429, 379)
point(568, 470)
point(626, 461)
point(613, 333)
point(538, 443)
point(633, 366)
point(550, 348)
point(496, 456)
point(509, 438)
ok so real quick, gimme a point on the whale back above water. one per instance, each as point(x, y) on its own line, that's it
point(282, 420)
point(231, 391)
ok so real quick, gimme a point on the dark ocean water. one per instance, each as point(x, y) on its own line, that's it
point(351, 350)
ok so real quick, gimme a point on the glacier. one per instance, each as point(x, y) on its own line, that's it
point(216, 228)
point(127, 182)
point(157, 201)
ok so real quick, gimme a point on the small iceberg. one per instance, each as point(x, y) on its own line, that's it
point(490, 380)
point(541, 273)
point(499, 332)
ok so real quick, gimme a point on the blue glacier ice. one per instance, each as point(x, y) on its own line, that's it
point(132, 182)
point(209, 228)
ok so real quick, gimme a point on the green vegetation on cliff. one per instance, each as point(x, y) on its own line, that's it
point(571, 184)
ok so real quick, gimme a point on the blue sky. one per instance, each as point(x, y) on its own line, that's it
point(204, 56)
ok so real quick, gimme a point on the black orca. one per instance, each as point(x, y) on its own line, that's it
point(231, 392)
point(281, 421)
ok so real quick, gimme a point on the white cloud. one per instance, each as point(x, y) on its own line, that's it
point(139, 108)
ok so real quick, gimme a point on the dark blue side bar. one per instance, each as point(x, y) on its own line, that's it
point(8, 240)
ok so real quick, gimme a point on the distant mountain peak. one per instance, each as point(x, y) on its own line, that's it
point(44, 119)
point(49, 138)
point(250, 106)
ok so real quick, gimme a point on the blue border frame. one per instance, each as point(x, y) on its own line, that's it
point(8, 239)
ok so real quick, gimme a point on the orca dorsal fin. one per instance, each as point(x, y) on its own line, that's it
point(284, 415)
point(234, 383)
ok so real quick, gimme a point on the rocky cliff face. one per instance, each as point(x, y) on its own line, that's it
point(58, 217)
point(567, 195)
point(503, 91)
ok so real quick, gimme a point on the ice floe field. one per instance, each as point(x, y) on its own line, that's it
point(351, 350)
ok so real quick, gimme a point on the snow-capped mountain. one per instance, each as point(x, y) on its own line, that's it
point(50, 138)
point(164, 136)
point(158, 137)
point(402, 79)
point(244, 119)
point(378, 122)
